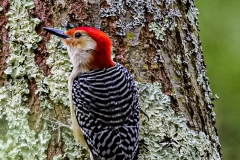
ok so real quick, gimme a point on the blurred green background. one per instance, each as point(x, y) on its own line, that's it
point(219, 24)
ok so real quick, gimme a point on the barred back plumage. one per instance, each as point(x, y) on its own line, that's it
point(107, 110)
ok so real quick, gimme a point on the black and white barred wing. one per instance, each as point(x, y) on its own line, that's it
point(107, 110)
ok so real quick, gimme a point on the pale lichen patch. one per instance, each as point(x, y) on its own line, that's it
point(134, 12)
point(20, 141)
point(166, 134)
point(57, 80)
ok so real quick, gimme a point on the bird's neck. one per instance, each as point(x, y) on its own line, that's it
point(81, 69)
point(101, 60)
point(87, 60)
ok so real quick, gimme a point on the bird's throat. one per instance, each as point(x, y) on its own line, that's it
point(79, 58)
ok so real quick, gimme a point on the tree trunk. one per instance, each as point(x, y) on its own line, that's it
point(157, 40)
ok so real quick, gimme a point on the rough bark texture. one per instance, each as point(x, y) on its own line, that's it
point(4, 51)
point(157, 41)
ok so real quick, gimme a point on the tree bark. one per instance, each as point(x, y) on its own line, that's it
point(157, 41)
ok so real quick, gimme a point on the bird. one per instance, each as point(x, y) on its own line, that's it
point(104, 100)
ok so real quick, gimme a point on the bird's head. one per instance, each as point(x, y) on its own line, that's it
point(87, 47)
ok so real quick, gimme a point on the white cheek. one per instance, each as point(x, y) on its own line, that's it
point(77, 56)
point(90, 44)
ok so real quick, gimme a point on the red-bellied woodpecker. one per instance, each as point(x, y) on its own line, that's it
point(103, 96)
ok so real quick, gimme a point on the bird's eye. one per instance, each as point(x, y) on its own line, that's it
point(78, 35)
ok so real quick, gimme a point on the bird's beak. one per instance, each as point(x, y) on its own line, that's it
point(56, 32)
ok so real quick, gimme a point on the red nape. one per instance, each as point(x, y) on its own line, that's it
point(102, 54)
